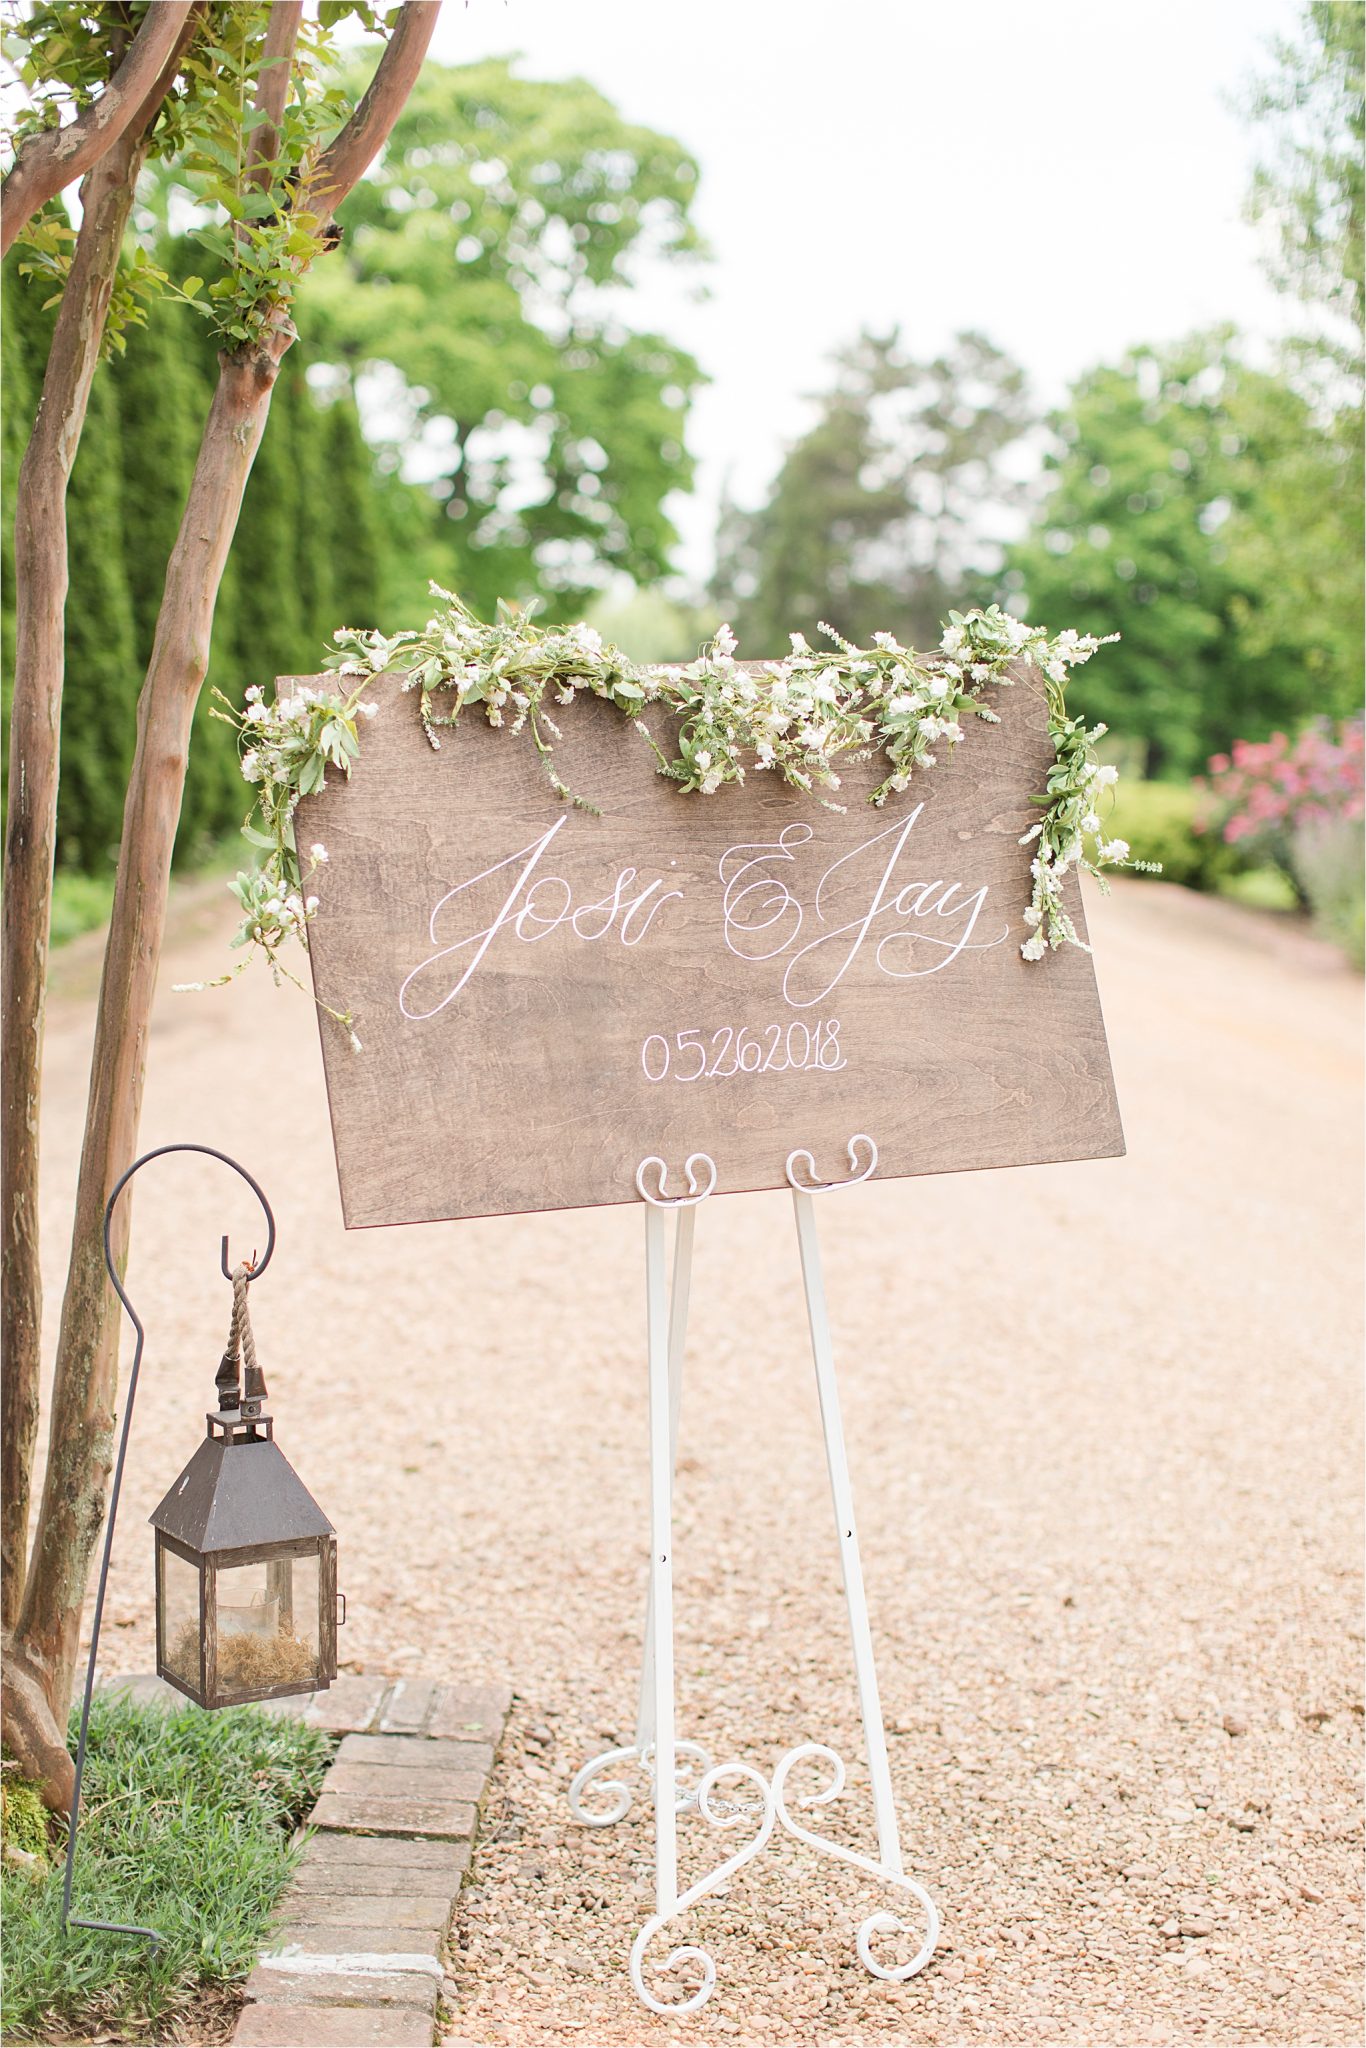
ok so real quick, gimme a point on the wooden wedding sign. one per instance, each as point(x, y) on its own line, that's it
point(546, 997)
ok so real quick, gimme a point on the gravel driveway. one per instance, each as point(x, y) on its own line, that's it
point(1104, 1429)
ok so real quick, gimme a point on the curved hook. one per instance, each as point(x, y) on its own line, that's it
point(257, 1267)
point(824, 1187)
point(696, 1193)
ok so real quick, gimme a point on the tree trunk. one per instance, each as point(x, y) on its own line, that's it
point(40, 589)
point(47, 1631)
point(31, 1733)
point(82, 1429)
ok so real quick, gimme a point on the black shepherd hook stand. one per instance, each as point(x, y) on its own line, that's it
point(256, 1267)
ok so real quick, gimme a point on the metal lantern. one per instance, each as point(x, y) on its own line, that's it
point(246, 1560)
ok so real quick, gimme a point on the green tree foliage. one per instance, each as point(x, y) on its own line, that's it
point(1309, 189)
point(101, 645)
point(1183, 482)
point(353, 530)
point(309, 555)
point(883, 514)
point(486, 266)
point(494, 244)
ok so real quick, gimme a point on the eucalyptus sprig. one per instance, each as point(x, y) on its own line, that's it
point(795, 718)
point(286, 749)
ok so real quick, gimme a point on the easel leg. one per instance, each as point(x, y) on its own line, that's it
point(691, 1760)
point(678, 1330)
point(656, 1745)
point(661, 1568)
point(870, 1706)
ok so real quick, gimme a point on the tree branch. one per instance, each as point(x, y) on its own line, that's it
point(35, 723)
point(272, 87)
point(85, 1375)
point(345, 161)
point(48, 162)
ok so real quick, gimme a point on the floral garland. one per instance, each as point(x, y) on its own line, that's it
point(794, 718)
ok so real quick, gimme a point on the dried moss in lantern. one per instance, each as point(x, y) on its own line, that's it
point(246, 1560)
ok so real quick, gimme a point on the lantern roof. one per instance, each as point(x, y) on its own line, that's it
point(235, 1495)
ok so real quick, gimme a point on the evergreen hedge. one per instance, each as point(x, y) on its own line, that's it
point(309, 555)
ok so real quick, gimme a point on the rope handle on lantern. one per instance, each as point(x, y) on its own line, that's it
point(241, 1277)
point(239, 1376)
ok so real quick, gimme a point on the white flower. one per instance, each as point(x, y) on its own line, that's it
point(1090, 822)
point(318, 852)
point(702, 759)
point(1114, 849)
point(799, 643)
point(356, 1045)
point(367, 710)
point(725, 642)
point(1035, 948)
point(1104, 778)
point(1033, 915)
point(310, 905)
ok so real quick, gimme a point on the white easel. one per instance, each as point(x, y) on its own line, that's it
point(657, 1750)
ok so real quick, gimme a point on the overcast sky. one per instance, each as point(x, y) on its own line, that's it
point(1067, 175)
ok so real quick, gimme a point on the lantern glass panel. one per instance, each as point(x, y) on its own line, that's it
point(268, 1625)
point(178, 1593)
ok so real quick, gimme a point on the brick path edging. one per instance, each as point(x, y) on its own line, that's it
point(356, 1959)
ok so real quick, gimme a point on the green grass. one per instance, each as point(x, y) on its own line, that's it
point(185, 1828)
point(1159, 821)
point(80, 903)
point(1261, 889)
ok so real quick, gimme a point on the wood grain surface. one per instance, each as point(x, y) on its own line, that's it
point(545, 997)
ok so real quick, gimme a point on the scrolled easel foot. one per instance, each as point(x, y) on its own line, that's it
point(622, 1798)
point(617, 1788)
point(688, 1952)
point(881, 1922)
point(888, 1923)
point(721, 1813)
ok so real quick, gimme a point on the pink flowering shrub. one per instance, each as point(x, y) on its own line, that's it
point(1299, 804)
point(1269, 789)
